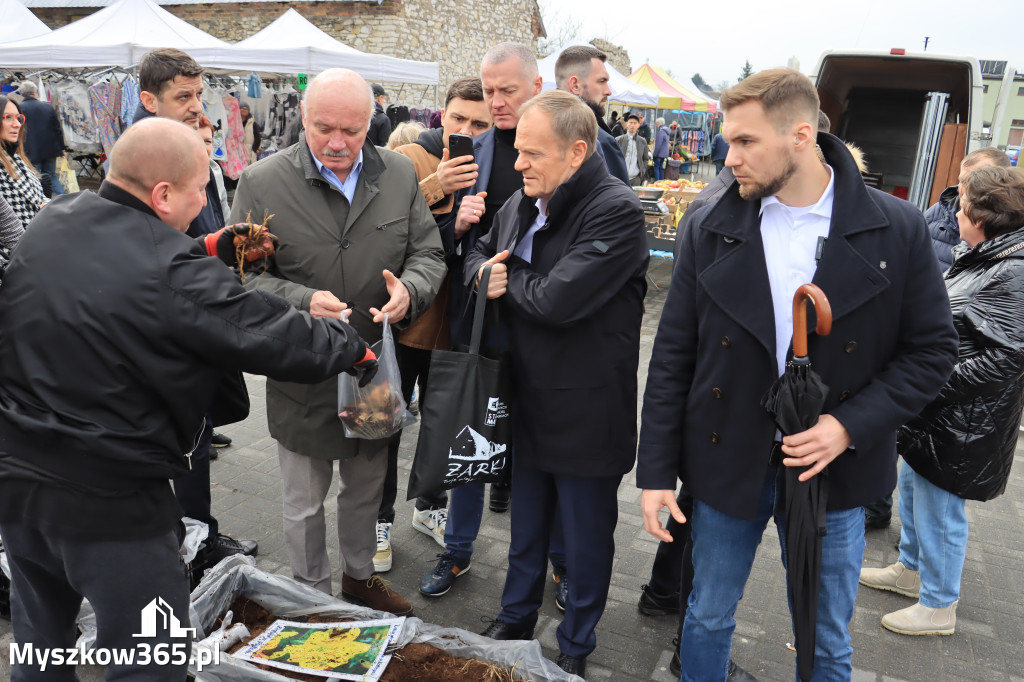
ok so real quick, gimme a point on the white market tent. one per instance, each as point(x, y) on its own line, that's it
point(624, 91)
point(18, 22)
point(117, 35)
point(292, 44)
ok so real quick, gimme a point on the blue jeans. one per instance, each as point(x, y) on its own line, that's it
point(934, 537)
point(723, 553)
point(465, 509)
point(49, 167)
point(659, 167)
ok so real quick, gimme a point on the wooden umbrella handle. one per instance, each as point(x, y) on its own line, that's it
point(814, 294)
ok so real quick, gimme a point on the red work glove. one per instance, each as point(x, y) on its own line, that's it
point(222, 243)
point(365, 369)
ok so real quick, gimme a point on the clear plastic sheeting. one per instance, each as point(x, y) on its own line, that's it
point(237, 575)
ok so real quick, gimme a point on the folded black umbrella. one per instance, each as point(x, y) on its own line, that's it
point(794, 402)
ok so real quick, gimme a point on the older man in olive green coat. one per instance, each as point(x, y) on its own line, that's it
point(355, 235)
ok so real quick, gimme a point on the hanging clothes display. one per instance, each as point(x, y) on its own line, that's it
point(234, 140)
point(129, 100)
point(285, 110)
point(71, 100)
point(105, 102)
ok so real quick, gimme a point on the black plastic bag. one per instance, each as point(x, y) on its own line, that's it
point(465, 416)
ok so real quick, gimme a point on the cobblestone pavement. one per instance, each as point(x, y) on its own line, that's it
point(988, 644)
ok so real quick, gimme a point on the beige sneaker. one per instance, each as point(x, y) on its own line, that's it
point(382, 559)
point(921, 620)
point(896, 578)
point(431, 522)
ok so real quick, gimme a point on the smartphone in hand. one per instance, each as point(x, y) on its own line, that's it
point(459, 145)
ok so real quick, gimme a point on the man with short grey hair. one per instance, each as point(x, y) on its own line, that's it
point(357, 239)
point(44, 137)
point(661, 148)
point(510, 78)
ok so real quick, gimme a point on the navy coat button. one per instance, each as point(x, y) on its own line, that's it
point(714, 438)
point(726, 343)
point(844, 395)
point(717, 392)
point(852, 346)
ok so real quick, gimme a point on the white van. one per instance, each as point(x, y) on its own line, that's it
point(915, 116)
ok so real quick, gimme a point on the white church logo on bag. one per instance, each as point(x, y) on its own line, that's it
point(473, 455)
point(495, 410)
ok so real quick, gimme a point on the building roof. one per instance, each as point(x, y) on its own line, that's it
point(995, 70)
point(39, 4)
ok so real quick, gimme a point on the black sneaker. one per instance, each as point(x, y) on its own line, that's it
point(561, 587)
point(877, 522)
point(219, 440)
point(653, 604)
point(675, 666)
point(501, 494)
point(225, 546)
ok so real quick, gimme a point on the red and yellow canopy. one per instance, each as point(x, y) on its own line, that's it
point(674, 95)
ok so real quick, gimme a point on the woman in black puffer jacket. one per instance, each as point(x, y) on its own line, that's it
point(961, 446)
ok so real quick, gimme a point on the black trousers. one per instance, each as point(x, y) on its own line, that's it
point(129, 584)
point(673, 563)
point(413, 364)
point(193, 489)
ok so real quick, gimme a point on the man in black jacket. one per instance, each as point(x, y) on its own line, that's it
point(581, 70)
point(380, 124)
point(724, 337)
point(44, 137)
point(112, 350)
point(569, 258)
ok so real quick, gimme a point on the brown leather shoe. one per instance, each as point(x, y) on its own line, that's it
point(375, 594)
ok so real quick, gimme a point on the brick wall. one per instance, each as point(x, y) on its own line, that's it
point(454, 33)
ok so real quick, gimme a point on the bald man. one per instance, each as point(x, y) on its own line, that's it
point(355, 234)
point(117, 332)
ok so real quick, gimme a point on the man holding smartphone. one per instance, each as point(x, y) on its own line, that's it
point(510, 78)
point(443, 168)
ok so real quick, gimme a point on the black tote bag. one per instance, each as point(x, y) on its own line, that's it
point(465, 416)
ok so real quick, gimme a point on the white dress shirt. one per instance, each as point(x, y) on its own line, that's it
point(524, 249)
point(790, 236)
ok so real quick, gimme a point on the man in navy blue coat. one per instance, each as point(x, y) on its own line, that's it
point(581, 70)
point(724, 337)
point(569, 261)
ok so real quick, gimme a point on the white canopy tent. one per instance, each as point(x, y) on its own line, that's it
point(624, 91)
point(292, 44)
point(18, 22)
point(117, 35)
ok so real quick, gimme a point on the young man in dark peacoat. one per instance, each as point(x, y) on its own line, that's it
point(891, 348)
point(571, 305)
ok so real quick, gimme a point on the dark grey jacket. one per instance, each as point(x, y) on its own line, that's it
point(326, 244)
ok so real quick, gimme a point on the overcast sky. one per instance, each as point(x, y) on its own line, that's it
point(769, 32)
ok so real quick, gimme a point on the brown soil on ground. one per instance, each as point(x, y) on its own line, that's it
point(412, 663)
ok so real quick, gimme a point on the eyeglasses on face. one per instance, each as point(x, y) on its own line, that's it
point(20, 118)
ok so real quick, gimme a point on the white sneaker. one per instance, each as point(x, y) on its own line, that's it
point(382, 559)
point(431, 522)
